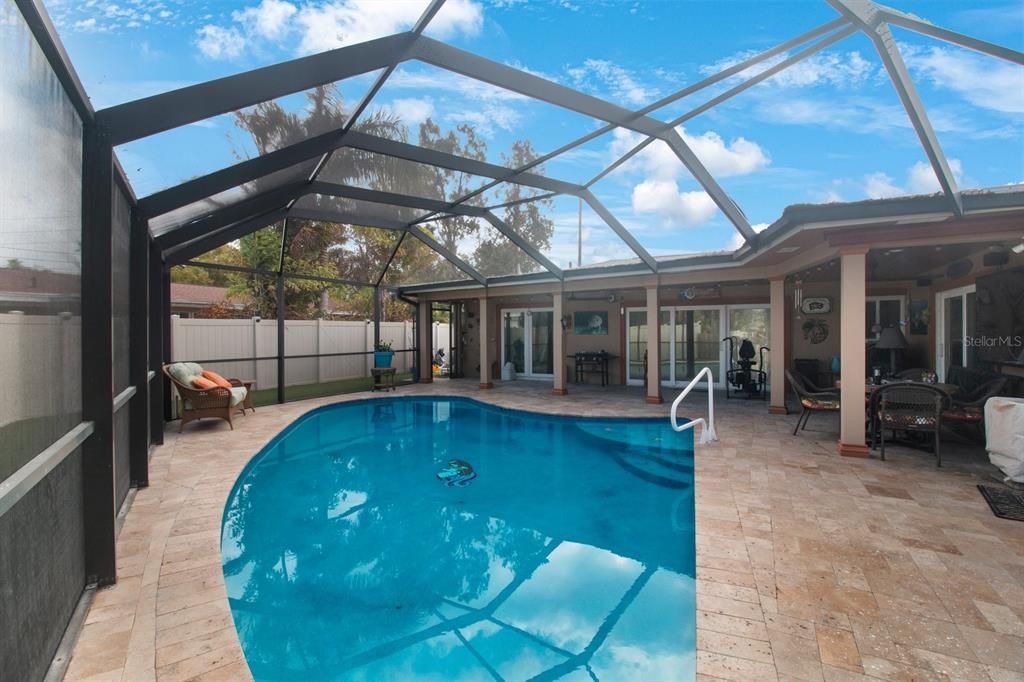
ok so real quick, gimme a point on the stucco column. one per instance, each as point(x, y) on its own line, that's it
point(425, 330)
point(653, 348)
point(852, 333)
point(485, 345)
point(777, 355)
point(558, 347)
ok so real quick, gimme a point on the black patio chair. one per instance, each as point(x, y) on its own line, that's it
point(970, 408)
point(913, 408)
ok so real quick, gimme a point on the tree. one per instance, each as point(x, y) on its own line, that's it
point(226, 254)
point(318, 248)
point(495, 254)
point(448, 185)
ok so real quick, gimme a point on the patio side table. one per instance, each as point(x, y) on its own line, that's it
point(383, 378)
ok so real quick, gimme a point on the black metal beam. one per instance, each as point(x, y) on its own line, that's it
point(280, 338)
point(239, 174)
point(376, 317)
point(222, 217)
point(197, 247)
point(157, 319)
point(448, 255)
point(99, 495)
point(138, 360)
point(619, 229)
point(391, 258)
point(528, 248)
point(253, 169)
point(345, 218)
point(273, 273)
point(333, 189)
point(432, 157)
point(165, 328)
point(151, 115)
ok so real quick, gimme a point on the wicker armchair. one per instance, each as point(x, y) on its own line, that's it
point(212, 402)
point(811, 401)
point(911, 407)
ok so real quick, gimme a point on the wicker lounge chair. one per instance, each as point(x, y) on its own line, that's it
point(211, 402)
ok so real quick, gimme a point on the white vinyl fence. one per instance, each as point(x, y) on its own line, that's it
point(207, 341)
point(44, 352)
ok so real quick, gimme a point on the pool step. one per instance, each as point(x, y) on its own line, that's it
point(650, 463)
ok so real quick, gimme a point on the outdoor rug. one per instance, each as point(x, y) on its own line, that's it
point(1005, 504)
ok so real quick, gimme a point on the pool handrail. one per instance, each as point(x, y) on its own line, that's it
point(707, 433)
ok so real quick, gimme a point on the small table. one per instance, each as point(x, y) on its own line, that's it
point(383, 378)
point(592, 362)
point(247, 403)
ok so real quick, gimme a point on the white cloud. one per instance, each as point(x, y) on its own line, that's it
point(983, 81)
point(737, 239)
point(920, 180)
point(86, 25)
point(325, 25)
point(839, 69)
point(738, 157)
point(220, 43)
point(329, 25)
point(880, 186)
point(269, 19)
point(658, 191)
point(486, 118)
point(620, 82)
point(412, 111)
point(662, 197)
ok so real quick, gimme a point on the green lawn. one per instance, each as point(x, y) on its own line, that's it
point(268, 396)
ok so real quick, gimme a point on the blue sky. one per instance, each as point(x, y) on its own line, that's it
point(828, 129)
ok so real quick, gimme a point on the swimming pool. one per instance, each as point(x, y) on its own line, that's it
point(570, 555)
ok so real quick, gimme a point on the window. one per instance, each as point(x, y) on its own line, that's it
point(882, 312)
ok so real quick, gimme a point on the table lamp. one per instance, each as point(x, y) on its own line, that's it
point(892, 340)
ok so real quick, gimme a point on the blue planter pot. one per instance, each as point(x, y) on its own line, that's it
point(382, 359)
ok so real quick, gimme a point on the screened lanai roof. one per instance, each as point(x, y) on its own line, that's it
point(450, 207)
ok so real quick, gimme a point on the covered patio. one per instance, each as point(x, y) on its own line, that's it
point(338, 235)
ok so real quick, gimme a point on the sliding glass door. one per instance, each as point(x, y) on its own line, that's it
point(527, 341)
point(691, 339)
point(955, 326)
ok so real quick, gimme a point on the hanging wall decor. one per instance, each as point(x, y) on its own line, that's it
point(816, 305)
point(815, 331)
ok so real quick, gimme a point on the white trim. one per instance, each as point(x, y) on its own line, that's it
point(941, 361)
point(723, 320)
point(877, 300)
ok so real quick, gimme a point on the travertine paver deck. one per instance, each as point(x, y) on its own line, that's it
point(810, 566)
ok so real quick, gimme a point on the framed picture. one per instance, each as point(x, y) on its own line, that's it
point(918, 318)
point(590, 322)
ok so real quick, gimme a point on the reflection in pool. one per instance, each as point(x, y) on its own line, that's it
point(569, 556)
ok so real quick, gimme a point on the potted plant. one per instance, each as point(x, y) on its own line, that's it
point(382, 354)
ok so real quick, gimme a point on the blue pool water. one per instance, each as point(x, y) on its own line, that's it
point(569, 556)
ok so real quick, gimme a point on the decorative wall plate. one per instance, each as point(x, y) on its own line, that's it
point(821, 305)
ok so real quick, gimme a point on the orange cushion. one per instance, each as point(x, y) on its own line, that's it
point(216, 378)
point(202, 383)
